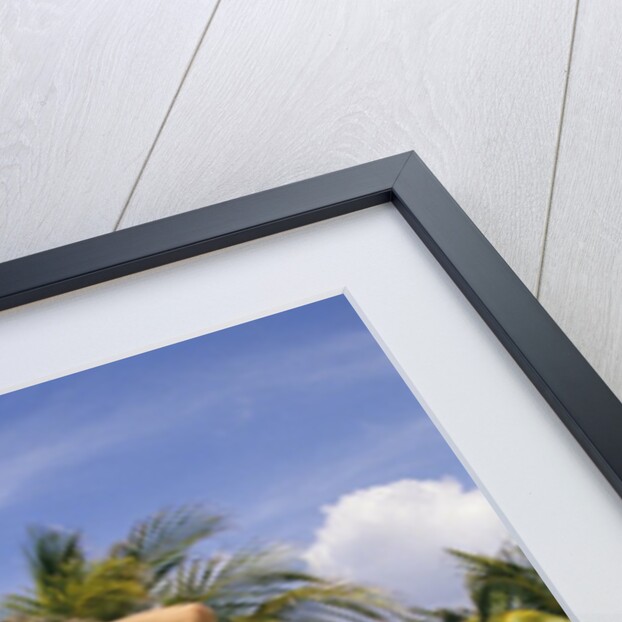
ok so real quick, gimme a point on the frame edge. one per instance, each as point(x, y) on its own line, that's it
point(120, 253)
point(562, 375)
point(571, 387)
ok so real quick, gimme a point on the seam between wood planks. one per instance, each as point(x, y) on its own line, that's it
point(167, 115)
point(547, 218)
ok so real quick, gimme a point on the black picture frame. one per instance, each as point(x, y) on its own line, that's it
point(572, 388)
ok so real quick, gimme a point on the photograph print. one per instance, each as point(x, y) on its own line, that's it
point(280, 469)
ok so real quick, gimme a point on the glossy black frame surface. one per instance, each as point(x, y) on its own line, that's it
point(581, 399)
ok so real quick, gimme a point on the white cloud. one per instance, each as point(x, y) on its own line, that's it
point(396, 536)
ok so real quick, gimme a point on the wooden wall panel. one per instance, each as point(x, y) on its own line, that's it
point(84, 87)
point(282, 91)
point(582, 275)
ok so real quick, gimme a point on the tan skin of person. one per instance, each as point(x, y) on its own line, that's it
point(193, 612)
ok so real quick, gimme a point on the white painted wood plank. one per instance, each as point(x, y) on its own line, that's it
point(282, 91)
point(582, 275)
point(84, 87)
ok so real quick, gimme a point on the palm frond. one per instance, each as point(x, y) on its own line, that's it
point(110, 590)
point(21, 605)
point(267, 584)
point(442, 615)
point(326, 599)
point(104, 590)
point(527, 616)
point(246, 575)
point(162, 541)
point(53, 554)
point(506, 582)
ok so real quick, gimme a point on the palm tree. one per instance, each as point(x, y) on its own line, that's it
point(154, 566)
point(444, 615)
point(263, 586)
point(505, 583)
point(505, 588)
point(448, 615)
point(66, 585)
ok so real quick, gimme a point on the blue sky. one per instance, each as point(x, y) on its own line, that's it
point(270, 421)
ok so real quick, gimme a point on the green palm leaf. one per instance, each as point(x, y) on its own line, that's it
point(22, 606)
point(266, 585)
point(528, 616)
point(66, 586)
point(152, 567)
point(505, 583)
point(53, 555)
point(111, 589)
point(162, 541)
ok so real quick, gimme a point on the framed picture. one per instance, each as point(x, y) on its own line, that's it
point(328, 401)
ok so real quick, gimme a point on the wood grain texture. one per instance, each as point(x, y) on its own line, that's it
point(84, 87)
point(582, 275)
point(282, 91)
